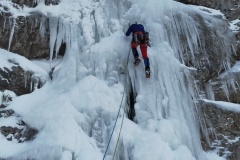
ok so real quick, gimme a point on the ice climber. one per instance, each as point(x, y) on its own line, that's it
point(139, 37)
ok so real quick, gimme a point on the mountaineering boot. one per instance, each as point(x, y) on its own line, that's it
point(147, 71)
point(137, 61)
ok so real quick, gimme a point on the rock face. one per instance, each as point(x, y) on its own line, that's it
point(20, 132)
point(26, 40)
point(31, 3)
point(212, 58)
point(19, 81)
point(223, 126)
point(229, 7)
point(32, 41)
point(25, 37)
point(30, 38)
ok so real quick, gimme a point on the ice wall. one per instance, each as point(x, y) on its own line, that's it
point(87, 86)
point(164, 103)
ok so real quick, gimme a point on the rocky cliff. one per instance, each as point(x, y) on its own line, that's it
point(25, 36)
point(229, 7)
point(222, 125)
point(21, 35)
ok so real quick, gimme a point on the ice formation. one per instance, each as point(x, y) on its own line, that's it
point(75, 112)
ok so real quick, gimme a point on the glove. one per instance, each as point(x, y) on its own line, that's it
point(149, 45)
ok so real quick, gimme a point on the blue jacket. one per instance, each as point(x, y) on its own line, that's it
point(135, 28)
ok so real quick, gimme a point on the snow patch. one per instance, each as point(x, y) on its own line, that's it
point(224, 105)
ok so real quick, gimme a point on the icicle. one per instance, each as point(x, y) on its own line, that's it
point(207, 59)
point(233, 84)
point(31, 86)
point(1, 97)
point(12, 25)
point(34, 82)
point(32, 23)
point(39, 1)
point(4, 24)
point(181, 27)
point(53, 24)
point(209, 91)
point(204, 124)
point(36, 85)
point(225, 90)
point(42, 27)
point(25, 79)
point(234, 50)
point(36, 23)
point(236, 85)
point(60, 36)
point(195, 86)
point(186, 89)
point(68, 34)
point(225, 65)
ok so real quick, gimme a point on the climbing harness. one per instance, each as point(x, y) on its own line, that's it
point(118, 115)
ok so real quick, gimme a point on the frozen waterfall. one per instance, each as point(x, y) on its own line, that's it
point(75, 112)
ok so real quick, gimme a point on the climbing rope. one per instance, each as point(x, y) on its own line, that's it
point(118, 114)
point(118, 138)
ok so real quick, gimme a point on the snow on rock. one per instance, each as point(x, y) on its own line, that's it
point(210, 11)
point(21, 73)
point(18, 60)
point(234, 25)
point(7, 96)
point(224, 105)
